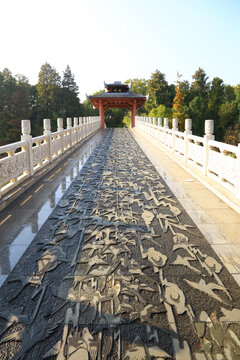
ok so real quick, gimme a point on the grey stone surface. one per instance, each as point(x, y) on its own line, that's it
point(119, 271)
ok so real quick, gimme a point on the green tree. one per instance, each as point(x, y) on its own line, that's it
point(200, 85)
point(68, 81)
point(48, 88)
point(237, 97)
point(127, 119)
point(8, 86)
point(179, 108)
point(159, 90)
point(215, 99)
point(88, 110)
point(228, 113)
point(114, 117)
point(197, 109)
point(198, 106)
point(139, 86)
point(18, 108)
point(70, 104)
point(232, 135)
point(228, 93)
point(161, 111)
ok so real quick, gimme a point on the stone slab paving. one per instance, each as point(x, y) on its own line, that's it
point(119, 271)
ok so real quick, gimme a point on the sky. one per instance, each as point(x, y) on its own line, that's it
point(110, 40)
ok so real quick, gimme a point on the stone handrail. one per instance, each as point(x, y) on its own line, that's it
point(23, 159)
point(214, 159)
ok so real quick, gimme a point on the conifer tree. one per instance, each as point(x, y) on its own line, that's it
point(70, 101)
point(68, 81)
point(49, 83)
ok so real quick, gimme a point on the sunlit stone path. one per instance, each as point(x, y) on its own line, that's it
point(119, 271)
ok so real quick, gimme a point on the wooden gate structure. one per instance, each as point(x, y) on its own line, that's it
point(118, 95)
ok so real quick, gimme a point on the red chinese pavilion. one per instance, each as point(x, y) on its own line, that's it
point(118, 95)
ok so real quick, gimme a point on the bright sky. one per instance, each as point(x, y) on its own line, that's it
point(110, 40)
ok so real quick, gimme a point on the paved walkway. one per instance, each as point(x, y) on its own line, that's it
point(21, 220)
point(119, 271)
point(216, 219)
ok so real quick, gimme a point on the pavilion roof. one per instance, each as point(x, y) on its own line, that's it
point(117, 95)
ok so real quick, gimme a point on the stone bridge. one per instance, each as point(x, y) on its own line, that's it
point(117, 244)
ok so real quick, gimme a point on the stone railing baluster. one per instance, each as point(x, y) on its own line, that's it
point(174, 129)
point(47, 147)
point(188, 131)
point(209, 130)
point(47, 131)
point(26, 136)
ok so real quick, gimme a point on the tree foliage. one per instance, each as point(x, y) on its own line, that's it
point(161, 111)
point(54, 97)
point(179, 108)
point(51, 97)
point(159, 90)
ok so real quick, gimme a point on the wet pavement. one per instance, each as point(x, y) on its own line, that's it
point(119, 271)
point(20, 221)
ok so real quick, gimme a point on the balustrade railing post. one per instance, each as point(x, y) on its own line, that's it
point(237, 187)
point(75, 121)
point(159, 125)
point(60, 129)
point(150, 127)
point(69, 127)
point(165, 130)
point(26, 136)
point(80, 128)
point(209, 130)
point(188, 131)
point(154, 126)
point(88, 125)
point(47, 131)
point(83, 127)
point(174, 129)
point(75, 129)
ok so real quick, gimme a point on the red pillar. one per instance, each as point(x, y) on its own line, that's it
point(101, 113)
point(134, 109)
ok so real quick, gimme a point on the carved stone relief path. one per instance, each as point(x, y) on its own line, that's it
point(119, 271)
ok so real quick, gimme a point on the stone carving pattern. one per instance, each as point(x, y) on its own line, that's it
point(40, 153)
point(66, 140)
point(74, 137)
point(56, 146)
point(137, 276)
point(12, 166)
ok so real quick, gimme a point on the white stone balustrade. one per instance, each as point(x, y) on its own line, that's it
point(23, 159)
point(214, 159)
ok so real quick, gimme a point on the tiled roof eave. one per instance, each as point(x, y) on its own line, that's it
point(117, 95)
